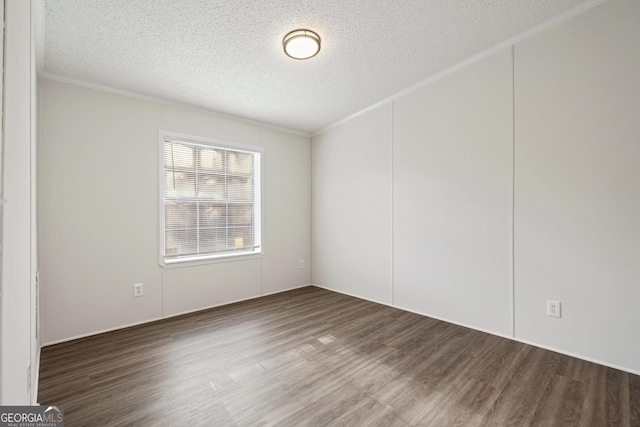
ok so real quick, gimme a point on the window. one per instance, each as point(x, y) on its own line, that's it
point(210, 194)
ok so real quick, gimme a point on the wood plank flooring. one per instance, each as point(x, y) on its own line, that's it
point(312, 357)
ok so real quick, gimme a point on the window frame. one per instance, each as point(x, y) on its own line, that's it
point(258, 206)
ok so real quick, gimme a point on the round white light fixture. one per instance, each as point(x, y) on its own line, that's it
point(301, 44)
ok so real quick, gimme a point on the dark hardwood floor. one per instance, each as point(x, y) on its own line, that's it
point(318, 358)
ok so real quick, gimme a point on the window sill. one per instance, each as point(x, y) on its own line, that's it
point(192, 262)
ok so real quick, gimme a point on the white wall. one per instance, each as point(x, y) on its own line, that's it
point(98, 213)
point(33, 218)
point(567, 205)
point(577, 192)
point(412, 201)
point(287, 210)
point(352, 207)
point(97, 210)
point(452, 155)
point(19, 347)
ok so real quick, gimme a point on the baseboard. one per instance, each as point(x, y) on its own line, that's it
point(542, 346)
point(545, 347)
point(182, 313)
point(155, 319)
point(101, 331)
point(355, 296)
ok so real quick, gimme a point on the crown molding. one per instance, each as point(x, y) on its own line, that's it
point(525, 35)
point(165, 102)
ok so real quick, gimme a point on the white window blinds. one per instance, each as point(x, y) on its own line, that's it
point(211, 201)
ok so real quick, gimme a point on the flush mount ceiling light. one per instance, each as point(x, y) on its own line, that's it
point(301, 44)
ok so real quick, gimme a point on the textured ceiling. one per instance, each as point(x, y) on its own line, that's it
point(227, 55)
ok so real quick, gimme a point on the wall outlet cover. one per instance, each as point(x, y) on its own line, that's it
point(138, 290)
point(554, 308)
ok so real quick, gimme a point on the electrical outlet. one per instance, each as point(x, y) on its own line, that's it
point(138, 290)
point(301, 263)
point(554, 308)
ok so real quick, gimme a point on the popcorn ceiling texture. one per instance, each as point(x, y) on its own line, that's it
point(227, 56)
